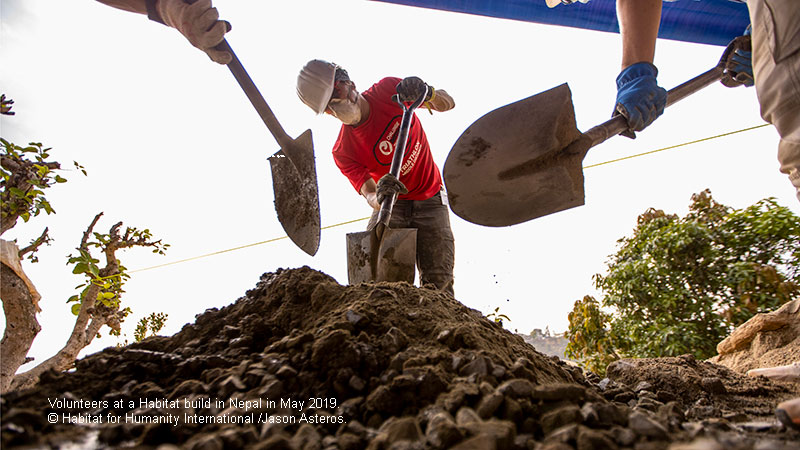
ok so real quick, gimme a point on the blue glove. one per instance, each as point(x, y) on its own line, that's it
point(639, 98)
point(739, 67)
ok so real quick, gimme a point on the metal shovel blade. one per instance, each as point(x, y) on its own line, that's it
point(525, 160)
point(391, 258)
point(508, 167)
point(294, 183)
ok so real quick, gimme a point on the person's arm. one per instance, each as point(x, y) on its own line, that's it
point(136, 6)
point(197, 22)
point(370, 192)
point(639, 97)
point(441, 101)
point(638, 27)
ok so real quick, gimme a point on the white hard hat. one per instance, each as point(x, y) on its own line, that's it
point(315, 84)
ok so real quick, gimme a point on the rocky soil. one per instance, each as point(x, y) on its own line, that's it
point(301, 362)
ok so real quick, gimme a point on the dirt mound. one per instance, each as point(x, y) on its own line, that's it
point(705, 389)
point(302, 362)
point(766, 340)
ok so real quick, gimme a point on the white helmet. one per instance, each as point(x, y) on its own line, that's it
point(315, 84)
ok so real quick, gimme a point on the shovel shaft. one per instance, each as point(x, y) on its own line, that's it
point(387, 205)
point(255, 97)
point(253, 94)
point(618, 124)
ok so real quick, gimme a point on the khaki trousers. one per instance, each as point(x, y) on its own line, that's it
point(776, 69)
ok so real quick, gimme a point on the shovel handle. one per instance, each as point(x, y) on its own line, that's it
point(619, 123)
point(256, 99)
point(399, 152)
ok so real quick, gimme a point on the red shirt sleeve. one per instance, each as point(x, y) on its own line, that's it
point(357, 173)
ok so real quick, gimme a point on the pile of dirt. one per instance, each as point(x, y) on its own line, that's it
point(302, 362)
point(766, 340)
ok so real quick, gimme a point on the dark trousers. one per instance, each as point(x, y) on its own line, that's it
point(436, 251)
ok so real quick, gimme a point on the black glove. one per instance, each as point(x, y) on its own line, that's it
point(389, 185)
point(411, 88)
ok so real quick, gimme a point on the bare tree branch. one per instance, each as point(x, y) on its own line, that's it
point(35, 244)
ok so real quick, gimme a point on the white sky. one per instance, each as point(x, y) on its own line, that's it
point(172, 144)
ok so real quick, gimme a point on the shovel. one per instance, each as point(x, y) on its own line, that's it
point(525, 160)
point(383, 253)
point(294, 173)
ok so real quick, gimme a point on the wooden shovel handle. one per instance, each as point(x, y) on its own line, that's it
point(256, 99)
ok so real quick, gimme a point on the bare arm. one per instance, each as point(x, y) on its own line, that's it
point(638, 26)
point(370, 192)
point(441, 101)
point(137, 6)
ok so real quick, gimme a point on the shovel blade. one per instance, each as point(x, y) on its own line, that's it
point(511, 166)
point(294, 182)
point(391, 258)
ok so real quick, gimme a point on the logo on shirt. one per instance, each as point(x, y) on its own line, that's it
point(384, 148)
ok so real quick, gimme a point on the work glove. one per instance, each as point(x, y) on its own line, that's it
point(199, 23)
point(411, 88)
point(639, 97)
point(739, 66)
point(389, 185)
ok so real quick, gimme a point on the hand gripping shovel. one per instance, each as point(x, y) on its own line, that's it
point(294, 172)
point(383, 253)
point(524, 160)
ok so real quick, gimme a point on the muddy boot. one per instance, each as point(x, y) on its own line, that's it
point(788, 413)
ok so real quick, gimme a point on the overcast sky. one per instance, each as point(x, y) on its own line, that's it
point(172, 144)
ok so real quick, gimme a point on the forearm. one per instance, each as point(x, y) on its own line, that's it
point(137, 6)
point(369, 190)
point(638, 27)
point(442, 101)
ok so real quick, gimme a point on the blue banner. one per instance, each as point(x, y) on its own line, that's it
point(713, 22)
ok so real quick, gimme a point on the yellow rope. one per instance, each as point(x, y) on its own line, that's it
point(238, 248)
point(365, 218)
point(675, 146)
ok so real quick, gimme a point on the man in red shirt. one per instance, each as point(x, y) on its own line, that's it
point(364, 150)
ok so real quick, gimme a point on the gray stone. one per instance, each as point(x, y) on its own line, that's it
point(478, 366)
point(589, 439)
point(713, 385)
point(559, 391)
point(502, 431)
point(307, 438)
point(697, 444)
point(489, 404)
point(442, 431)
point(645, 426)
point(466, 415)
point(482, 442)
point(517, 387)
point(562, 416)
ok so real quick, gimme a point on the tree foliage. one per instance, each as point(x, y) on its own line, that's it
point(26, 174)
point(681, 285)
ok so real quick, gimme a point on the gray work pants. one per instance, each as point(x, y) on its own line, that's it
point(436, 252)
point(776, 69)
